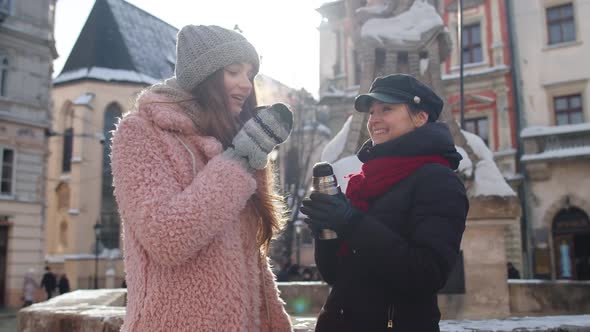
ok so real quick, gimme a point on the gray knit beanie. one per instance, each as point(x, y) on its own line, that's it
point(202, 50)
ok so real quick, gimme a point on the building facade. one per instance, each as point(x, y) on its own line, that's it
point(114, 58)
point(489, 102)
point(552, 40)
point(27, 50)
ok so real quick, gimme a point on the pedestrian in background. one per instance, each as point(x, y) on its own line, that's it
point(30, 286)
point(63, 284)
point(49, 282)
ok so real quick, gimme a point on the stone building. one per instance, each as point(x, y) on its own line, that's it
point(27, 50)
point(120, 50)
point(552, 39)
point(489, 101)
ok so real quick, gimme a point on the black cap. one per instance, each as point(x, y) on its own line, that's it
point(401, 89)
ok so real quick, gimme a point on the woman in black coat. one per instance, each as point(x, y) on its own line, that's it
point(400, 224)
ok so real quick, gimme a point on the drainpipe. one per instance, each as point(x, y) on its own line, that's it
point(520, 123)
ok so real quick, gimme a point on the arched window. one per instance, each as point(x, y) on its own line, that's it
point(109, 216)
point(571, 243)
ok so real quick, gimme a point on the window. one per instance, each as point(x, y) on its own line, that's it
point(472, 51)
point(560, 24)
point(3, 74)
point(478, 127)
point(4, 9)
point(568, 110)
point(7, 172)
point(66, 165)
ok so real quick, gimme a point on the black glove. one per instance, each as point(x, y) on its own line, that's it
point(316, 230)
point(333, 212)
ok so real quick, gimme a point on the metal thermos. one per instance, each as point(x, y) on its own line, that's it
point(324, 181)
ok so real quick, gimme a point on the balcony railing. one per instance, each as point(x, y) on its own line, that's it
point(556, 143)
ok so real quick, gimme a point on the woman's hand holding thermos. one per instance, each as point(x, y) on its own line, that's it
point(327, 207)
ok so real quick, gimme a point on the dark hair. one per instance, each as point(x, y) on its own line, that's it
point(219, 121)
point(415, 110)
point(222, 124)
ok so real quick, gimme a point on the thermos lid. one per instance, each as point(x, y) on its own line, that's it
point(322, 169)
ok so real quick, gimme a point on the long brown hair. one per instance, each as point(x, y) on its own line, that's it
point(219, 122)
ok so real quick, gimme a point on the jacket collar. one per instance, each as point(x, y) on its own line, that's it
point(170, 116)
point(430, 139)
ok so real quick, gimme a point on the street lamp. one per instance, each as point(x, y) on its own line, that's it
point(97, 228)
point(298, 227)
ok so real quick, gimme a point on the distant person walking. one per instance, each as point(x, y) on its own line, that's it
point(63, 284)
point(49, 282)
point(29, 288)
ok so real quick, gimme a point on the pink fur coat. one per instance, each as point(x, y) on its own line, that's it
point(191, 258)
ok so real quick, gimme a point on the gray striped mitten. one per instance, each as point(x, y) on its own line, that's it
point(258, 137)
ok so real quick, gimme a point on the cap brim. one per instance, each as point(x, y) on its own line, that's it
point(362, 103)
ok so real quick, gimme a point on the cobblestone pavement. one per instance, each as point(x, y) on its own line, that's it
point(7, 320)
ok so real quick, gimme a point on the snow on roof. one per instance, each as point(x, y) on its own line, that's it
point(334, 148)
point(475, 72)
point(405, 28)
point(488, 179)
point(578, 151)
point(554, 130)
point(105, 74)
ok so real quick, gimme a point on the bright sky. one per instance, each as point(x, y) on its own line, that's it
point(284, 32)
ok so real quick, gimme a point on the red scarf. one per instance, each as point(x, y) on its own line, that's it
point(377, 176)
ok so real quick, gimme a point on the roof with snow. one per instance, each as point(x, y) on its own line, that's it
point(121, 42)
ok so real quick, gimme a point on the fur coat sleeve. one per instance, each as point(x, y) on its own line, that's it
point(173, 223)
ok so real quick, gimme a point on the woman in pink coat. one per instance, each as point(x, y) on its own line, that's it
point(195, 196)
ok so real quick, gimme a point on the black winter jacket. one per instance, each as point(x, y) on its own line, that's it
point(402, 251)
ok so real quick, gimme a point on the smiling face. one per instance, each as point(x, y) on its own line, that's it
point(237, 81)
point(390, 121)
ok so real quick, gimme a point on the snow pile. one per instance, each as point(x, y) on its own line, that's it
point(466, 165)
point(488, 179)
point(376, 9)
point(335, 147)
point(405, 28)
point(344, 167)
point(424, 65)
point(547, 323)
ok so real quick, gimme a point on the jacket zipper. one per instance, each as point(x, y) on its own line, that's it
point(390, 316)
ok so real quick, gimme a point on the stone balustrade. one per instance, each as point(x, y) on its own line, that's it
point(103, 310)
